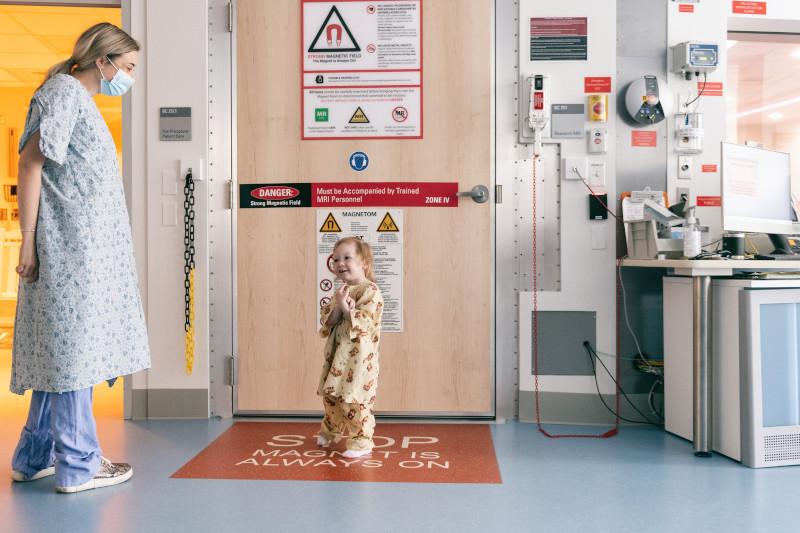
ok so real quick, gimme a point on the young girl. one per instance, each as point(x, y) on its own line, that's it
point(352, 323)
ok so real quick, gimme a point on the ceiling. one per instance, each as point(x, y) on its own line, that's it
point(34, 38)
point(761, 73)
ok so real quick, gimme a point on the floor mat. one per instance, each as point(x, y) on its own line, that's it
point(414, 453)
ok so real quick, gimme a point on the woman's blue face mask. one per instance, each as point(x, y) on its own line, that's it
point(118, 85)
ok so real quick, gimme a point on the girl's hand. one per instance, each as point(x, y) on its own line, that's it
point(28, 267)
point(343, 300)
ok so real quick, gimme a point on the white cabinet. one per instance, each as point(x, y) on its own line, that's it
point(735, 303)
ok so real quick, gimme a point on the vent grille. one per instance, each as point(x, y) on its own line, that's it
point(781, 447)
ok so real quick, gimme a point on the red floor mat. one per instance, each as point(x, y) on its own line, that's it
point(415, 453)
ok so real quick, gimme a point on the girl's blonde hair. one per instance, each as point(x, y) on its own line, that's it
point(101, 40)
point(364, 252)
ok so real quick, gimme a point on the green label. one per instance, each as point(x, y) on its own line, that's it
point(321, 114)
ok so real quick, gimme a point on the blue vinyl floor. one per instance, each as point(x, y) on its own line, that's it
point(643, 480)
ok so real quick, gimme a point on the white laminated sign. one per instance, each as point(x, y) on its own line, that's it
point(362, 69)
point(383, 230)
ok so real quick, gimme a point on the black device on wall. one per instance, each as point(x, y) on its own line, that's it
point(597, 206)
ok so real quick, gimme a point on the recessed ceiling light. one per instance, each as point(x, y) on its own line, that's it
point(796, 54)
point(729, 44)
point(775, 115)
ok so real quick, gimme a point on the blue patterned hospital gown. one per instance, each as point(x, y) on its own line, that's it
point(82, 322)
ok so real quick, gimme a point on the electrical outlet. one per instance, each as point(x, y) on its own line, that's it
point(684, 167)
point(683, 195)
point(575, 168)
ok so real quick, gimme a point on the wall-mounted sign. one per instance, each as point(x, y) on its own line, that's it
point(710, 88)
point(559, 39)
point(175, 123)
point(567, 121)
point(644, 139)
point(597, 84)
point(362, 69)
point(352, 194)
point(749, 8)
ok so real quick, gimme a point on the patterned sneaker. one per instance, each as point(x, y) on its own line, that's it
point(16, 475)
point(109, 474)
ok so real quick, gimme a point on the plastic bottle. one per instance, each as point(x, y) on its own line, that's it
point(691, 236)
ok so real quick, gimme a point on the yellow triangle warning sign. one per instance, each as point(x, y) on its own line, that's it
point(359, 117)
point(330, 225)
point(387, 224)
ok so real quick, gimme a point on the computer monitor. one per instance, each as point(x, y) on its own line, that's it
point(757, 191)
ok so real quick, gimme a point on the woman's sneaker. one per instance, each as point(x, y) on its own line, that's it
point(16, 475)
point(108, 474)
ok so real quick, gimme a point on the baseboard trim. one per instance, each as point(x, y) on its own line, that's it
point(582, 409)
point(169, 403)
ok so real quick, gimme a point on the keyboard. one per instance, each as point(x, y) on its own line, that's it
point(779, 257)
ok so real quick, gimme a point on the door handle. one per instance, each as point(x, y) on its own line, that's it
point(479, 194)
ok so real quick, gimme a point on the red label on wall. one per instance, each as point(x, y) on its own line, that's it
point(597, 84)
point(709, 201)
point(644, 138)
point(749, 8)
point(538, 100)
point(685, 8)
point(709, 168)
point(711, 88)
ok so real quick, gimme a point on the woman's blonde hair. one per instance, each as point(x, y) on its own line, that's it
point(364, 252)
point(101, 40)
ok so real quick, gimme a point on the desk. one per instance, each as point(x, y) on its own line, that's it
point(701, 272)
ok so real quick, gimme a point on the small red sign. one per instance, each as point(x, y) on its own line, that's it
point(644, 138)
point(597, 84)
point(709, 201)
point(271, 192)
point(538, 101)
point(710, 88)
point(749, 8)
point(709, 168)
point(685, 8)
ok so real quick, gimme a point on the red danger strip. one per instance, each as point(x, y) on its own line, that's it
point(685, 8)
point(349, 194)
point(711, 88)
point(390, 194)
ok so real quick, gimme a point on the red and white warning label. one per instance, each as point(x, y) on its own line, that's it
point(362, 69)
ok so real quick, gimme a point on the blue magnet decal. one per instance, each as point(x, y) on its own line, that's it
point(359, 161)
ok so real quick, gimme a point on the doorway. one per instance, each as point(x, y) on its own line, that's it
point(438, 357)
point(32, 39)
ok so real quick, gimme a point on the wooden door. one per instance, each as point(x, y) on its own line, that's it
point(443, 361)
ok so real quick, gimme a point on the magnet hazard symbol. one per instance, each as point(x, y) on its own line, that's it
point(330, 225)
point(388, 224)
point(337, 35)
point(359, 117)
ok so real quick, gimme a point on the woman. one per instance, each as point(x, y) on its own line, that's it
point(79, 315)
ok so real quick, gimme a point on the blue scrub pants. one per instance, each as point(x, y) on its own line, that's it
point(61, 431)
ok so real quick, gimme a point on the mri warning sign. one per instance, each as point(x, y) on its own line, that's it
point(334, 35)
point(383, 230)
point(388, 224)
point(362, 65)
point(330, 225)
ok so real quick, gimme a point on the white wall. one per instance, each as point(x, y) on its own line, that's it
point(706, 23)
point(587, 274)
point(173, 72)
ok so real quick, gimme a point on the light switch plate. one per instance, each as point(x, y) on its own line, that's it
point(169, 183)
point(597, 174)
